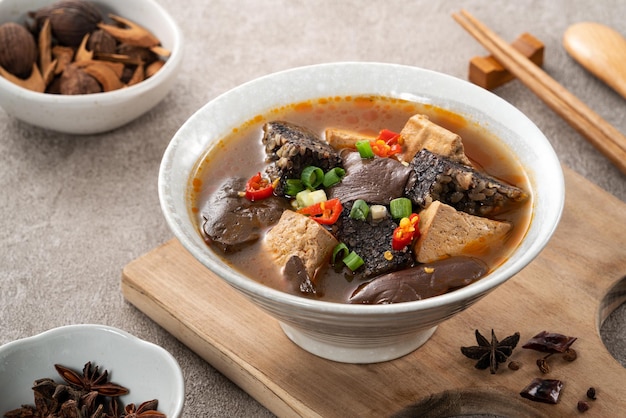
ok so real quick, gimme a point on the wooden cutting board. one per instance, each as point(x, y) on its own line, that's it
point(570, 288)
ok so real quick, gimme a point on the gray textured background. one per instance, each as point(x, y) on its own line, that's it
point(75, 210)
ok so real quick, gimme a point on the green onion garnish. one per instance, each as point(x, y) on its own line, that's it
point(378, 212)
point(353, 261)
point(302, 198)
point(333, 176)
point(364, 148)
point(340, 250)
point(293, 187)
point(359, 210)
point(312, 177)
point(400, 208)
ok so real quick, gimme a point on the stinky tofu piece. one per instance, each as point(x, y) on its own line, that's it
point(298, 235)
point(446, 232)
point(420, 133)
point(343, 138)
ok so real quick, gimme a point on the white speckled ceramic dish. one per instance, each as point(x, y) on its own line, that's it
point(100, 112)
point(361, 333)
point(147, 370)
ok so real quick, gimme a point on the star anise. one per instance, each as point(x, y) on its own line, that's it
point(91, 380)
point(145, 410)
point(490, 354)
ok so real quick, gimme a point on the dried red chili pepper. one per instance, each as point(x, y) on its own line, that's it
point(549, 342)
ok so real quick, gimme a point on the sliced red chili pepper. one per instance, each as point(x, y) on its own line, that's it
point(406, 231)
point(382, 149)
point(325, 213)
point(390, 137)
point(258, 188)
point(386, 144)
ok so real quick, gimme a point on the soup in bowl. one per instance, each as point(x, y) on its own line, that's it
point(361, 204)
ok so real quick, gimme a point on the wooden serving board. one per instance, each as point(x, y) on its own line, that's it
point(570, 288)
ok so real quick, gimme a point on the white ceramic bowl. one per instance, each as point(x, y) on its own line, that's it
point(345, 332)
point(101, 112)
point(147, 370)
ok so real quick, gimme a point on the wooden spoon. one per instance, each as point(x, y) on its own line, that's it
point(601, 50)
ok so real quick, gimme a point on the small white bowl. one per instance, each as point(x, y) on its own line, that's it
point(146, 370)
point(99, 112)
point(346, 332)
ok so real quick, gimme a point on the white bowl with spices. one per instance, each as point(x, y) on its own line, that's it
point(348, 332)
point(146, 370)
point(94, 112)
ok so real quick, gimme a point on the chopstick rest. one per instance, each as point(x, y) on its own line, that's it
point(601, 134)
point(488, 73)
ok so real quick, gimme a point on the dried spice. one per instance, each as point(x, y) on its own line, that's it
point(18, 51)
point(542, 363)
point(570, 355)
point(490, 353)
point(591, 393)
point(39, 54)
point(146, 409)
point(582, 406)
point(514, 365)
point(543, 390)
point(86, 395)
point(549, 342)
point(70, 20)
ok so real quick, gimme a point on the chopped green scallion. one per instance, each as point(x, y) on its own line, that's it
point(353, 261)
point(302, 198)
point(364, 148)
point(400, 208)
point(293, 187)
point(341, 250)
point(359, 210)
point(378, 212)
point(312, 177)
point(333, 176)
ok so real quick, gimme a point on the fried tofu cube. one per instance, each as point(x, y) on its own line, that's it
point(298, 235)
point(446, 232)
point(420, 133)
point(342, 138)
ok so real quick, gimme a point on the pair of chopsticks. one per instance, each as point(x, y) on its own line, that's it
point(605, 137)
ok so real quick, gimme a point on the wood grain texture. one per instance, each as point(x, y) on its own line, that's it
point(601, 50)
point(564, 290)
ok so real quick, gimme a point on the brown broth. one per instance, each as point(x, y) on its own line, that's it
point(241, 154)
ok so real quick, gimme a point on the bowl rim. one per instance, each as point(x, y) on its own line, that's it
point(462, 296)
point(118, 95)
point(178, 379)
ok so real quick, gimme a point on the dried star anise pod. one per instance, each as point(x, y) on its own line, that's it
point(491, 353)
point(145, 410)
point(91, 380)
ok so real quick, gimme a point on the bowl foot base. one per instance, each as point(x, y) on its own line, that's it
point(356, 350)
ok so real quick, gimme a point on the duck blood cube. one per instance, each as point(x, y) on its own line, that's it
point(371, 241)
point(436, 177)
